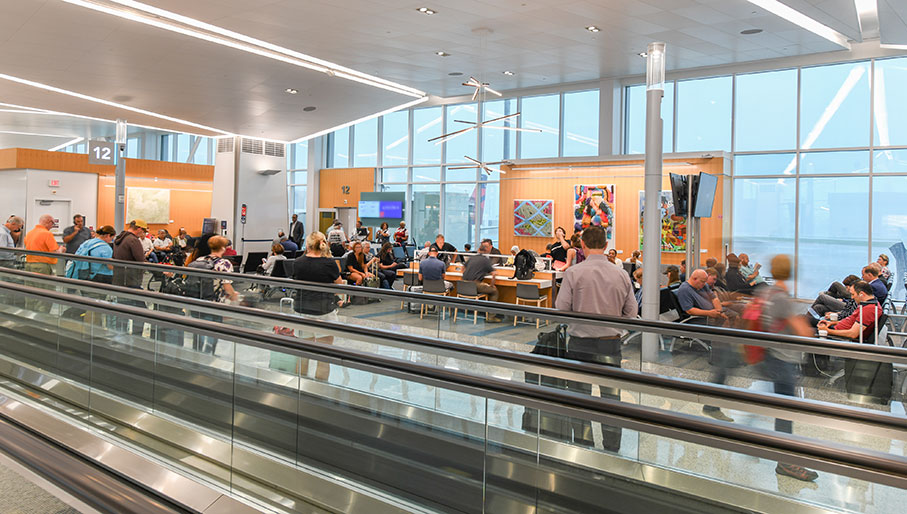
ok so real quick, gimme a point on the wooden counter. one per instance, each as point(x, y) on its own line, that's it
point(502, 279)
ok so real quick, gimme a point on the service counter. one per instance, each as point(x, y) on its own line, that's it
point(502, 278)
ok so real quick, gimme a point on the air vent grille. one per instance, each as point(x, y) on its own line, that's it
point(225, 144)
point(274, 149)
point(252, 146)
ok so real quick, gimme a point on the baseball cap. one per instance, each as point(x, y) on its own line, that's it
point(434, 248)
point(139, 224)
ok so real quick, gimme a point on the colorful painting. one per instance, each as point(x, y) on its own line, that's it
point(673, 227)
point(594, 206)
point(533, 218)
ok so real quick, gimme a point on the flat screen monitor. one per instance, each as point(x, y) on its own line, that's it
point(380, 209)
point(399, 253)
point(209, 226)
point(679, 193)
point(705, 195)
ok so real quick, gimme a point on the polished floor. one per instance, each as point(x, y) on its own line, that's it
point(18, 495)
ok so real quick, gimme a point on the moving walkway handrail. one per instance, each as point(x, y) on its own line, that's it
point(876, 353)
point(90, 482)
point(660, 382)
point(855, 462)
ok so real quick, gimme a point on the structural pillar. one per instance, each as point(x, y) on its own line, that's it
point(651, 245)
point(119, 197)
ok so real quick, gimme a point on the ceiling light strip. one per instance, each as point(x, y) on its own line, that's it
point(868, 16)
point(107, 102)
point(796, 17)
point(64, 145)
point(15, 133)
point(360, 120)
point(167, 20)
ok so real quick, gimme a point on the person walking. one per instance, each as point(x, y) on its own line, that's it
point(595, 286)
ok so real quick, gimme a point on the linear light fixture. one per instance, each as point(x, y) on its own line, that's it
point(160, 18)
point(64, 145)
point(484, 124)
point(67, 92)
point(360, 120)
point(797, 18)
point(868, 16)
point(480, 87)
point(16, 133)
point(484, 166)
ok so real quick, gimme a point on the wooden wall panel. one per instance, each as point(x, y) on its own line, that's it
point(8, 157)
point(330, 194)
point(61, 161)
point(550, 182)
point(190, 202)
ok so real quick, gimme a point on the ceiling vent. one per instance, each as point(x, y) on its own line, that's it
point(255, 146)
point(224, 145)
point(274, 149)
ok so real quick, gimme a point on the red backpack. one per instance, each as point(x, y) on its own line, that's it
point(753, 319)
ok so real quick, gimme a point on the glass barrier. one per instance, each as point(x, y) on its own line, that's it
point(246, 416)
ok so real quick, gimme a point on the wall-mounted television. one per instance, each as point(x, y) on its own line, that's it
point(679, 193)
point(378, 208)
point(704, 195)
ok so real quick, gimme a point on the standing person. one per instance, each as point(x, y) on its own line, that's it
point(477, 267)
point(211, 289)
point(783, 366)
point(382, 235)
point(559, 249)
point(595, 286)
point(76, 234)
point(39, 239)
point(128, 247)
point(336, 239)
point(401, 236)
point(100, 247)
point(316, 265)
point(297, 231)
point(13, 226)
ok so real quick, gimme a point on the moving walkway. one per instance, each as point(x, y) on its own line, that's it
point(404, 422)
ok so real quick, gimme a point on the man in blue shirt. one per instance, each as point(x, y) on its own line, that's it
point(432, 268)
point(871, 275)
point(288, 246)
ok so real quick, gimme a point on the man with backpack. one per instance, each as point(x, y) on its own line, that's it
point(128, 247)
point(211, 289)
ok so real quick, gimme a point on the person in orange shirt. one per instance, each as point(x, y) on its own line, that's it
point(39, 239)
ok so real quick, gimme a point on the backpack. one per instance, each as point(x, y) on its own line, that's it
point(524, 265)
point(754, 318)
point(82, 269)
point(202, 287)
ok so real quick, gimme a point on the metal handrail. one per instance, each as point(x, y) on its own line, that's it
point(658, 382)
point(855, 462)
point(716, 334)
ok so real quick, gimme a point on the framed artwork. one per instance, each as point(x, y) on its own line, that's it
point(594, 206)
point(149, 204)
point(673, 227)
point(533, 218)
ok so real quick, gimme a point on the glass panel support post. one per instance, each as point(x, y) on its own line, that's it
point(119, 199)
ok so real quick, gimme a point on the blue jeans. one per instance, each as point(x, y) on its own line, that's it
point(784, 376)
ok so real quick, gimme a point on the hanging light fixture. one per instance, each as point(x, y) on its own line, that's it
point(480, 87)
point(484, 124)
point(484, 166)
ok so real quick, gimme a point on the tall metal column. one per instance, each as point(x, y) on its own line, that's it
point(651, 241)
point(119, 197)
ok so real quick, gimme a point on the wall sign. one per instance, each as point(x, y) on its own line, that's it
point(101, 152)
point(345, 190)
point(242, 214)
point(54, 182)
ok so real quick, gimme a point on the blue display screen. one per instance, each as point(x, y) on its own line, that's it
point(380, 209)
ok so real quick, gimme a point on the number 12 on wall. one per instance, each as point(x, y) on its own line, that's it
point(345, 190)
point(101, 152)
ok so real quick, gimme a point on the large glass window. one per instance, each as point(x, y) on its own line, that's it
point(635, 132)
point(834, 106)
point(764, 217)
point(183, 144)
point(540, 113)
point(133, 147)
point(466, 143)
point(768, 164)
point(427, 174)
point(365, 144)
point(299, 155)
point(395, 139)
point(393, 174)
point(766, 111)
point(425, 212)
point(340, 149)
point(499, 144)
point(890, 102)
point(581, 123)
point(461, 175)
point(297, 201)
point(887, 161)
point(815, 163)
point(889, 226)
point(459, 214)
point(489, 215)
point(833, 225)
point(427, 125)
point(704, 114)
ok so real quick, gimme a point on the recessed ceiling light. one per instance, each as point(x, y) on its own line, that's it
point(749, 32)
point(509, 73)
point(309, 108)
point(441, 53)
point(427, 11)
point(593, 28)
point(291, 91)
point(455, 73)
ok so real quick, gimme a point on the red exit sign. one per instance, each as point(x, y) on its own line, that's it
point(54, 182)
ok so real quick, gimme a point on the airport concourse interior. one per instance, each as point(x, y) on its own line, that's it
point(469, 256)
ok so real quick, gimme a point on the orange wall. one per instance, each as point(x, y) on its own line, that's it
point(552, 182)
point(331, 181)
point(190, 184)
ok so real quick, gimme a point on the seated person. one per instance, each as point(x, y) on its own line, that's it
point(884, 272)
point(513, 251)
point(834, 301)
point(461, 259)
point(871, 276)
point(367, 250)
point(673, 273)
point(387, 265)
point(162, 245)
point(734, 278)
point(861, 321)
point(637, 283)
point(696, 300)
point(750, 272)
point(422, 254)
point(288, 246)
point(729, 301)
point(477, 268)
point(231, 252)
point(446, 251)
point(277, 255)
point(432, 268)
point(721, 282)
point(357, 264)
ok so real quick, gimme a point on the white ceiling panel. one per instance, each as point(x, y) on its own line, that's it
point(840, 15)
point(893, 22)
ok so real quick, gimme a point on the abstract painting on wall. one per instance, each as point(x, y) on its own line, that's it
point(673, 227)
point(533, 218)
point(594, 206)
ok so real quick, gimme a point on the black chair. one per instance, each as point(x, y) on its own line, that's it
point(528, 294)
point(468, 289)
point(410, 280)
point(279, 270)
point(435, 288)
point(288, 266)
point(253, 261)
